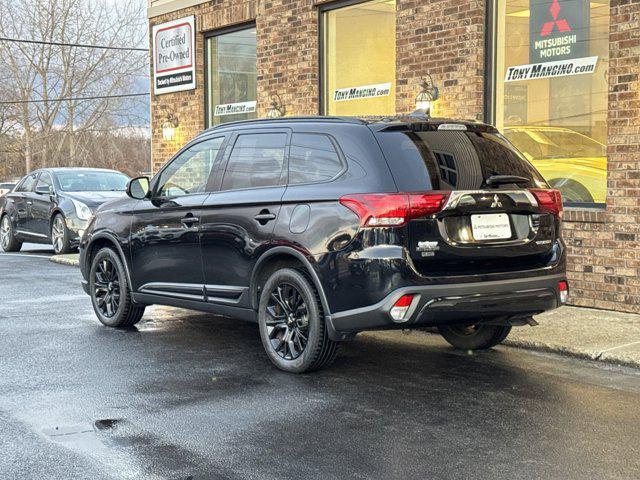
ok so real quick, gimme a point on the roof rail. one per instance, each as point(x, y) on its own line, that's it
point(308, 118)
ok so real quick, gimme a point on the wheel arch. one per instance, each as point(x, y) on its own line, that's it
point(282, 257)
point(106, 239)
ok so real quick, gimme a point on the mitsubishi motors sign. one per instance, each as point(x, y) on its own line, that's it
point(559, 30)
point(173, 56)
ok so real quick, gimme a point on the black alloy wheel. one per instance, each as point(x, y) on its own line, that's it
point(292, 324)
point(288, 322)
point(106, 285)
point(109, 291)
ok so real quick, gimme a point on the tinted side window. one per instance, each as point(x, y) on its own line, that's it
point(255, 161)
point(445, 160)
point(189, 172)
point(313, 158)
point(27, 184)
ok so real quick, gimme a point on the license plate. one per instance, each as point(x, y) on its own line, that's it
point(493, 226)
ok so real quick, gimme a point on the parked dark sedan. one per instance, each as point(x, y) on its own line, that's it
point(54, 205)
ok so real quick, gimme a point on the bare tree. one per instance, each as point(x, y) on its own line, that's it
point(54, 132)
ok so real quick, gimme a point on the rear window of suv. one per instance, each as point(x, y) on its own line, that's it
point(451, 160)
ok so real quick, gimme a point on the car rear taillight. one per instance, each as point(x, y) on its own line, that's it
point(393, 209)
point(563, 288)
point(401, 307)
point(550, 201)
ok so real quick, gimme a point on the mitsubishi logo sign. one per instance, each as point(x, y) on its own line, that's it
point(562, 24)
point(496, 202)
point(558, 30)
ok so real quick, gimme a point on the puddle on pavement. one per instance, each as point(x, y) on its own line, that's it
point(129, 451)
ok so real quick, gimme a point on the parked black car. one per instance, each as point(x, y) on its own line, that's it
point(53, 205)
point(319, 228)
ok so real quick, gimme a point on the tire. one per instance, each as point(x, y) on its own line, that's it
point(60, 235)
point(295, 294)
point(108, 285)
point(474, 337)
point(8, 241)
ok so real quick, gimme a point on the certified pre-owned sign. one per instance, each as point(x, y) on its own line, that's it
point(173, 56)
point(564, 68)
point(366, 91)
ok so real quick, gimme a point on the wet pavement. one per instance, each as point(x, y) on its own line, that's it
point(189, 395)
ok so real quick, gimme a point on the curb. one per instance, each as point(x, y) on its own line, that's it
point(418, 337)
point(72, 260)
point(592, 355)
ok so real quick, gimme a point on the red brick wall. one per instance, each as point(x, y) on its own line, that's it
point(446, 39)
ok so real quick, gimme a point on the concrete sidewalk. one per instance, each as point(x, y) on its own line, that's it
point(592, 334)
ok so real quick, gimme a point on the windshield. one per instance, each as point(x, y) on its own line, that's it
point(92, 181)
point(541, 144)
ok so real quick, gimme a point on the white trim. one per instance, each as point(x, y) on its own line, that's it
point(170, 6)
point(24, 232)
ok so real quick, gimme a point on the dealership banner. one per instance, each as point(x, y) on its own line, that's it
point(563, 68)
point(366, 91)
point(235, 108)
point(558, 29)
point(174, 65)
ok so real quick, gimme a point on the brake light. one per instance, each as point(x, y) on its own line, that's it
point(393, 209)
point(550, 201)
point(401, 307)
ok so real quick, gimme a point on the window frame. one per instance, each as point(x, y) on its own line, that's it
point(342, 159)
point(206, 36)
point(490, 98)
point(323, 9)
point(209, 187)
point(284, 173)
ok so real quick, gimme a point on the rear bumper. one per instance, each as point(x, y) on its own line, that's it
point(455, 303)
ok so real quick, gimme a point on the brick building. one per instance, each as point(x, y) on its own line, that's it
point(558, 77)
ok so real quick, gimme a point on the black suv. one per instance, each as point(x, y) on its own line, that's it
point(319, 228)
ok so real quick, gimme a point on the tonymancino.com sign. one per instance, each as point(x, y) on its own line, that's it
point(366, 91)
point(173, 56)
point(235, 108)
point(563, 68)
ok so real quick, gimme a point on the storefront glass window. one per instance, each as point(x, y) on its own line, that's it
point(360, 59)
point(231, 76)
point(551, 90)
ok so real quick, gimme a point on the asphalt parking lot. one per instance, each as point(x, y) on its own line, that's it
point(189, 395)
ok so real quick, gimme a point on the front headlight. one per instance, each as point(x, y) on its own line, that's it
point(82, 211)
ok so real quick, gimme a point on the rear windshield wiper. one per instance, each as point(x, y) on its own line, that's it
point(495, 180)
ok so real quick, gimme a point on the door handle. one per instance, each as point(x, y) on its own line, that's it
point(264, 217)
point(189, 221)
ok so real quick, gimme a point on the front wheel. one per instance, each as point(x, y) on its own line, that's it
point(8, 240)
point(474, 337)
point(110, 292)
point(292, 324)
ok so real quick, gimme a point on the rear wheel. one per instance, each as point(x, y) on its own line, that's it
point(110, 292)
point(292, 324)
point(474, 337)
point(571, 190)
point(60, 235)
point(8, 240)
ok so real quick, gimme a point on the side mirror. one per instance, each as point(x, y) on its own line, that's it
point(43, 190)
point(138, 188)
